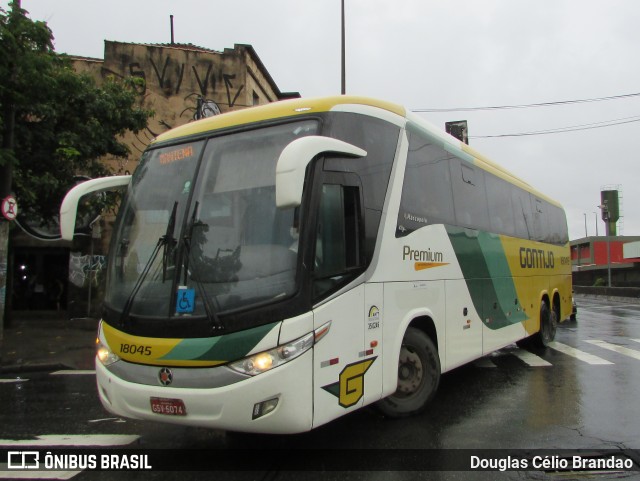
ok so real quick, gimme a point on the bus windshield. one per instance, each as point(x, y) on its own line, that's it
point(202, 216)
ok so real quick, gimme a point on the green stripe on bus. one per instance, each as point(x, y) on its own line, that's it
point(486, 271)
point(229, 347)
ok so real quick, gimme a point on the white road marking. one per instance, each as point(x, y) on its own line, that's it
point(635, 340)
point(10, 381)
point(29, 474)
point(530, 359)
point(116, 420)
point(484, 362)
point(615, 348)
point(74, 372)
point(73, 440)
point(578, 354)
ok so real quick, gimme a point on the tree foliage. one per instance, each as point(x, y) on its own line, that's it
point(63, 123)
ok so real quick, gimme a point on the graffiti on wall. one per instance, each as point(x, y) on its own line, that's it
point(179, 91)
point(170, 77)
point(85, 268)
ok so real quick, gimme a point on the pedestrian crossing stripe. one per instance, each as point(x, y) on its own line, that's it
point(578, 354)
point(64, 372)
point(74, 372)
point(616, 348)
point(484, 362)
point(531, 359)
point(23, 474)
point(94, 440)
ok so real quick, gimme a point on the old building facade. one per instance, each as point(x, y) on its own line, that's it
point(183, 82)
point(179, 83)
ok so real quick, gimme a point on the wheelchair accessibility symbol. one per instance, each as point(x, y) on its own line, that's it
point(185, 301)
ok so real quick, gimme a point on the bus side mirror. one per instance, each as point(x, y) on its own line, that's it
point(293, 162)
point(69, 207)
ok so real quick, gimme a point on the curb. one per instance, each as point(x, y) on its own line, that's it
point(628, 300)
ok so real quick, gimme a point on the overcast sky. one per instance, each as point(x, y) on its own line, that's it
point(432, 54)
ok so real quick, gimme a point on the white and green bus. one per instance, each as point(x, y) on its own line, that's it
point(275, 268)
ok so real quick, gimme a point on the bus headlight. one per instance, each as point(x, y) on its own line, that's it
point(266, 360)
point(103, 352)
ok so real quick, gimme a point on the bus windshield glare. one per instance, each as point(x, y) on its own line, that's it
point(202, 216)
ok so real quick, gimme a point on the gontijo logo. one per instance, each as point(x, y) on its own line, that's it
point(425, 259)
point(536, 258)
point(350, 387)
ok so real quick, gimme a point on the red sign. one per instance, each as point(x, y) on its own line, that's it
point(9, 207)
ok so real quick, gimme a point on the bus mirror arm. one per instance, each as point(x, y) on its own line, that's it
point(69, 207)
point(293, 162)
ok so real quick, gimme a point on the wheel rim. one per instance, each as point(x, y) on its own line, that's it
point(410, 373)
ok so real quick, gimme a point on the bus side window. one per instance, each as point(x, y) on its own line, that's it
point(522, 213)
point(540, 220)
point(470, 197)
point(338, 236)
point(426, 191)
point(500, 209)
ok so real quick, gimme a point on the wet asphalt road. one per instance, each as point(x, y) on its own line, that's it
point(582, 393)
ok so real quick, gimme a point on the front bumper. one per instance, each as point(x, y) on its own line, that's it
point(228, 407)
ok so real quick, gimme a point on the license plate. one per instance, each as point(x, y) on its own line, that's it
point(169, 407)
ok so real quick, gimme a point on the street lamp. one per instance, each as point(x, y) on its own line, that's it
point(585, 225)
point(596, 216)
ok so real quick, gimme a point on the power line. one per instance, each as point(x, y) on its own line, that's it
point(526, 106)
point(559, 130)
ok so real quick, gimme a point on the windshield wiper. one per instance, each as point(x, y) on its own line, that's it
point(165, 240)
point(169, 241)
point(211, 313)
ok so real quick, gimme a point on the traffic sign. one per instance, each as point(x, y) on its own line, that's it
point(9, 207)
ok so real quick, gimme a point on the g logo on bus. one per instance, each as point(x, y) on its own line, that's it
point(350, 388)
point(165, 376)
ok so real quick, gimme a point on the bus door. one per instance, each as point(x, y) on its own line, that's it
point(341, 362)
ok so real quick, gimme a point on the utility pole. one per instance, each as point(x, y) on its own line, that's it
point(343, 89)
point(6, 180)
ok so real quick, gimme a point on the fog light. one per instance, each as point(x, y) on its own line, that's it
point(264, 408)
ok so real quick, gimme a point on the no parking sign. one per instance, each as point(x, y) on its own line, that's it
point(9, 207)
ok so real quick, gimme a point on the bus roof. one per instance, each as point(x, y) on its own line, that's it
point(302, 106)
point(463, 151)
point(275, 110)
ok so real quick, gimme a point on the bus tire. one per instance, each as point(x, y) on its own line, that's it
point(418, 376)
point(548, 326)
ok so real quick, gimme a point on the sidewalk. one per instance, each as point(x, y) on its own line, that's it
point(45, 344)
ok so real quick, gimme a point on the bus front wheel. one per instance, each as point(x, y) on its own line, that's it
point(418, 376)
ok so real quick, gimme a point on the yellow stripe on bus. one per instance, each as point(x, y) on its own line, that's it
point(275, 110)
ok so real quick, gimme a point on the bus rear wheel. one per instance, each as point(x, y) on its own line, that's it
point(418, 376)
point(548, 326)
